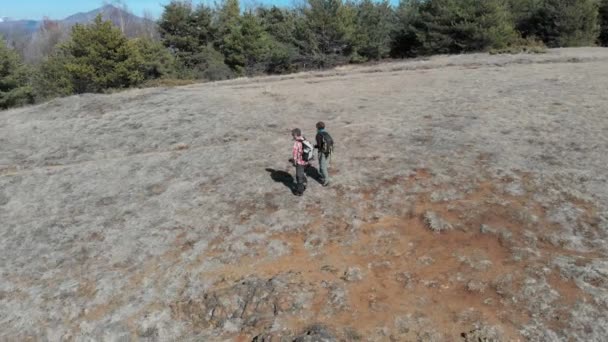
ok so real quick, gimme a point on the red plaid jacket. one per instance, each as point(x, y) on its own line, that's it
point(297, 152)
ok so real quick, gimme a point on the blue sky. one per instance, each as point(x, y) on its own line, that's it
point(59, 9)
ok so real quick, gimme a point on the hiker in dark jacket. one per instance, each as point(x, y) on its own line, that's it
point(324, 146)
point(299, 162)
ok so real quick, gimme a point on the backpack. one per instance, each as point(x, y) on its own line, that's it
point(328, 143)
point(307, 150)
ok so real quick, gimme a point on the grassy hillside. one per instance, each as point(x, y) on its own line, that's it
point(469, 200)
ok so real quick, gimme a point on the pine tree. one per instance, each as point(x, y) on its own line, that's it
point(156, 60)
point(603, 17)
point(101, 57)
point(375, 23)
point(333, 25)
point(51, 78)
point(453, 26)
point(228, 15)
point(561, 23)
point(186, 31)
point(247, 45)
point(14, 88)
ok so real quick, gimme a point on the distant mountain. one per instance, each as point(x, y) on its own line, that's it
point(117, 15)
point(13, 29)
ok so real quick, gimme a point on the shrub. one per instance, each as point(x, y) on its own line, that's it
point(523, 45)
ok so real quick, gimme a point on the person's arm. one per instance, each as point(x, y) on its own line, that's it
point(295, 153)
point(319, 139)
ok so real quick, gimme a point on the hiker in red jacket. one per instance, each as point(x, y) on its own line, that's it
point(299, 161)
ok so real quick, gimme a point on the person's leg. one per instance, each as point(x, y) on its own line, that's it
point(324, 168)
point(300, 179)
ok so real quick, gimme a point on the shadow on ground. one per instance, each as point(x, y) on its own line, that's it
point(283, 177)
point(313, 173)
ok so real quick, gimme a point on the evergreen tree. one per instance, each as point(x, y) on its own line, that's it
point(246, 46)
point(280, 24)
point(560, 23)
point(186, 31)
point(375, 23)
point(156, 60)
point(101, 57)
point(405, 41)
point(603, 16)
point(228, 15)
point(454, 26)
point(52, 79)
point(14, 88)
point(333, 25)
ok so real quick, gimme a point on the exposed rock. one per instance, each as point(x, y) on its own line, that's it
point(248, 303)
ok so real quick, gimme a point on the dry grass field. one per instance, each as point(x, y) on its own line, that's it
point(469, 200)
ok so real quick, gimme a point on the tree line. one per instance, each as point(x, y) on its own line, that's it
point(202, 42)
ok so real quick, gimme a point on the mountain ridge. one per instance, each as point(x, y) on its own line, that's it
point(12, 29)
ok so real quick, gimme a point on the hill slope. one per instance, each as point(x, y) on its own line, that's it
point(469, 200)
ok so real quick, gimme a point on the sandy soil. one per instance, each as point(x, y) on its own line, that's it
point(469, 200)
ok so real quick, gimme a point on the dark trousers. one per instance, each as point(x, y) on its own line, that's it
point(300, 179)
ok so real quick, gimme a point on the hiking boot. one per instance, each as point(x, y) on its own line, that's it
point(326, 184)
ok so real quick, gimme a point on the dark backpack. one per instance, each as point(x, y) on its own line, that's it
point(328, 143)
